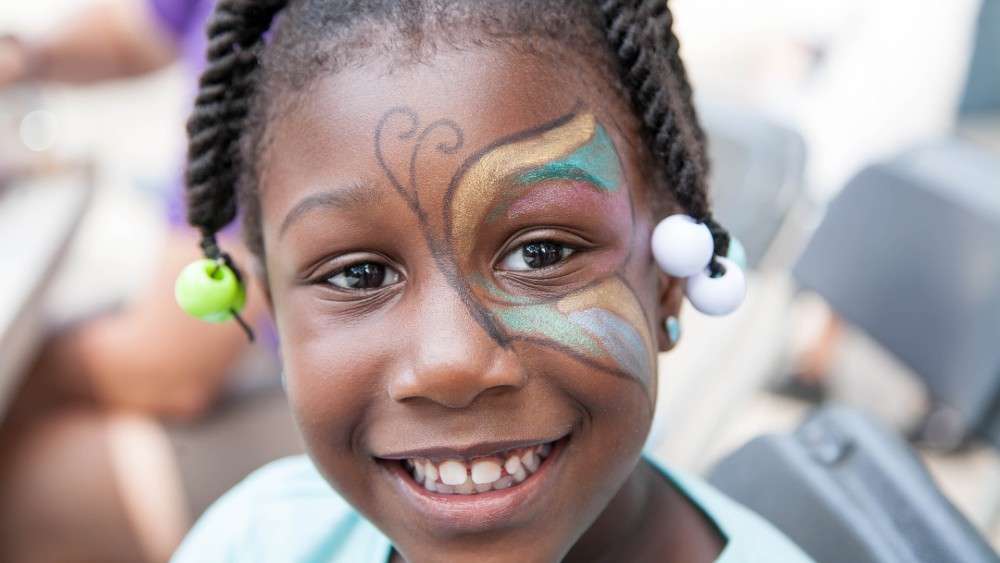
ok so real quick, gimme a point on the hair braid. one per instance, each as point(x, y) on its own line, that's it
point(641, 35)
point(228, 120)
point(235, 31)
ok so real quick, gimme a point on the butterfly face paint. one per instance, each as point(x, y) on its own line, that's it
point(602, 324)
point(570, 162)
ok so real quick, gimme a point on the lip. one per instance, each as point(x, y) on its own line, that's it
point(471, 513)
point(483, 449)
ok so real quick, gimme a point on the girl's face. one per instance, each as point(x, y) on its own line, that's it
point(457, 255)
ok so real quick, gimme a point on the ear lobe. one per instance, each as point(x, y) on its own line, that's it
point(669, 302)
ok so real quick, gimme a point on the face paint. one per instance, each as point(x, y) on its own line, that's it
point(602, 324)
point(612, 314)
point(596, 163)
point(478, 189)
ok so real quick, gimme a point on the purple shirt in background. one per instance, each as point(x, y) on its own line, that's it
point(184, 21)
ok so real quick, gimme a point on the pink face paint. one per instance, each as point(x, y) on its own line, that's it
point(578, 196)
point(573, 169)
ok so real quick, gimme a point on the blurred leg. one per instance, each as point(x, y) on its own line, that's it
point(813, 356)
point(148, 478)
point(240, 435)
point(149, 356)
point(82, 486)
point(817, 361)
point(77, 484)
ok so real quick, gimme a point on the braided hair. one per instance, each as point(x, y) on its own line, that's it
point(227, 125)
point(220, 109)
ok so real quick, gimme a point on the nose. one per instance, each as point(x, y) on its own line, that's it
point(451, 359)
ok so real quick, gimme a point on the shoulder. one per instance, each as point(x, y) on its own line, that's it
point(284, 511)
point(749, 538)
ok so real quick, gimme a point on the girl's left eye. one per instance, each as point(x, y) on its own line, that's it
point(536, 255)
point(364, 275)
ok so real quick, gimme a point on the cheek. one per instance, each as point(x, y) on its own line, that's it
point(618, 408)
point(332, 373)
point(331, 398)
point(324, 393)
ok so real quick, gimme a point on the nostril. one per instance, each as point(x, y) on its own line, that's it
point(458, 383)
point(449, 358)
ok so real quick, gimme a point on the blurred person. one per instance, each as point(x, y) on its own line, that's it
point(859, 79)
point(86, 471)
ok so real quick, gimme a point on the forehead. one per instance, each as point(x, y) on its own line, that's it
point(325, 139)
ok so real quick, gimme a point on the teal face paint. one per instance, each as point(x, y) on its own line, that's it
point(603, 323)
point(546, 322)
point(595, 162)
point(619, 339)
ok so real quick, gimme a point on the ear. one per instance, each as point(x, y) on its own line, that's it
point(669, 302)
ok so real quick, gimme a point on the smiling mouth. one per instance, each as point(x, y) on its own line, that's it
point(469, 476)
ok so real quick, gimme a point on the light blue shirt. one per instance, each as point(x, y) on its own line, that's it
point(286, 512)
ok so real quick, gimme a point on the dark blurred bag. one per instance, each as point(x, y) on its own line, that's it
point(847, 490)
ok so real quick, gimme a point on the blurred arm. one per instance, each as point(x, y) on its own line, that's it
point(150, 357)
point(109, 39)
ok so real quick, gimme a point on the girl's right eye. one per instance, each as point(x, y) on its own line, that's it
point(364, 275)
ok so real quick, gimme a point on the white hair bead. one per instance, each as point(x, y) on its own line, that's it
point(720, 295)
point(682, 246)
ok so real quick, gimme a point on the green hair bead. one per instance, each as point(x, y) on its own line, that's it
point(210, 290)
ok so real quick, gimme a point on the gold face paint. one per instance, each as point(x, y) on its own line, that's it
point(477, 192)
point(602, 324)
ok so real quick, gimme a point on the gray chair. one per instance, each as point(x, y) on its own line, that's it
point(909, 252)
point(847, 490)
point(757, 173)
point(982, 86)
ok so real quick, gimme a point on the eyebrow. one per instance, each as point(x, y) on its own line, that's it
point(348, 197)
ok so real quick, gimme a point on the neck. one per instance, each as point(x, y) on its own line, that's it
point(648, 520)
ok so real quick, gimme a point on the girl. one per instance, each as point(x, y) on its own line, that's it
point(451, 203)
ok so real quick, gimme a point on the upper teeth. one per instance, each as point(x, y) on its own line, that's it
point(456, 476)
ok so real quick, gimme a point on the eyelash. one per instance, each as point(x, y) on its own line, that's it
point(543, 247)
point(363, 269)
point(386, 275)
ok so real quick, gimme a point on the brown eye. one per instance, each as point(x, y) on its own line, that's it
point(364, 275)
point(536, 255)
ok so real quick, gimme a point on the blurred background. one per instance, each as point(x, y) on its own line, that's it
point(856, 156)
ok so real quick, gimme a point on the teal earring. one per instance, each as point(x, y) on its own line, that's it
point(673, 327)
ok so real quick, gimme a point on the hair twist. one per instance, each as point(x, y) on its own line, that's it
point(235, 33)
point(641, 35)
